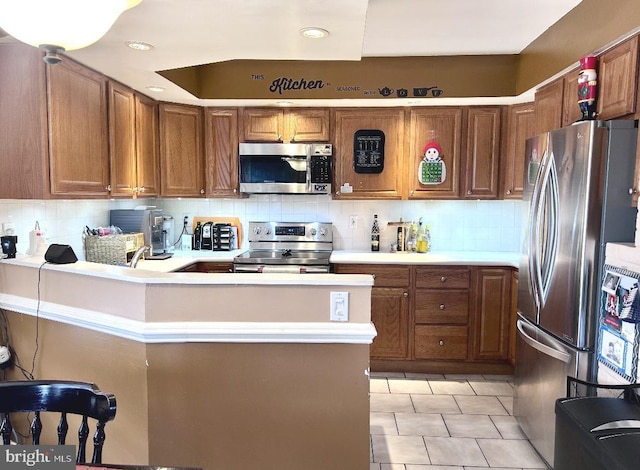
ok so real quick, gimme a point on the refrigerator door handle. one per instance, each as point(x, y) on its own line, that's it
point(554, 349)
point(552, 235)
point(534, 220)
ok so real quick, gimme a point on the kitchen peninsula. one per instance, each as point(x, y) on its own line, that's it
point(209, 370)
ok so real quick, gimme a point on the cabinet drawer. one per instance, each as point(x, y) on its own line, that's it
point(442, 277)
point(442, 306)
point(388, 275)
point(440, 342)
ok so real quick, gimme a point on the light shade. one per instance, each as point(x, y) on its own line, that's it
point(66, 24)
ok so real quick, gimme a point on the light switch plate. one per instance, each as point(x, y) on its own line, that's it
point(339, 306)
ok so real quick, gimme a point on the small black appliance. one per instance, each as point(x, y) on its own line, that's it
point(9, 243)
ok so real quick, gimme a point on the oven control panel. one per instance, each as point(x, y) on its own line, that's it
point(291, 231)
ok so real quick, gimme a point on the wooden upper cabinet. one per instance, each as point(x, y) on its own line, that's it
point(570, 109)
point(221, 152)
point(445, 126)
point(617, 75)
point(133, 143)
point(122, 139)
point(78, 147)
point(519, 126)
point(262, 125)
point(285, 125)
point(307, 125)
point(181, 151)
point(482, 153)
point(548, 106)
point(386, 184)
point(147, 147)
point(23, 123)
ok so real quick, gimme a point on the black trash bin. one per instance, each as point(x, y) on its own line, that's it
point(597, 433)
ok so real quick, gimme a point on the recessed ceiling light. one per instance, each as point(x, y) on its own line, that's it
point(139, 45)
point(157, 89)
point(314, 33)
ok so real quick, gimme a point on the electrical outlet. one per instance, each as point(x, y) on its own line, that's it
point(339, 306)
point(8, 228)
point(353, 222)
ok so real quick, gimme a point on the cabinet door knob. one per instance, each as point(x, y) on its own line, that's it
point(108, 188)
point(202, 191)
point(142, 189)
point(135, 189)
point(508, 191)
point(469, 192)
point(412, 192)
point(406, 294)
point(374, 276)
point(443, 279)
point(441, 306)
point(441, 343)
point(279, 137)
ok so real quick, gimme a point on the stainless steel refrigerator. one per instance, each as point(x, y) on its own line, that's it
point(576, 199)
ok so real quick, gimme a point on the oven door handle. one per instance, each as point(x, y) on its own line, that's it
point(241, 268)
point(284, 269)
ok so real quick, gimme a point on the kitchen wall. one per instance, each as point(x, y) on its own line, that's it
point(455, 225)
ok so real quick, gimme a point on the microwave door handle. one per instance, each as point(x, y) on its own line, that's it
point(308, 180)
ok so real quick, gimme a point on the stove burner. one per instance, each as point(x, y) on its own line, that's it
point(285, 253)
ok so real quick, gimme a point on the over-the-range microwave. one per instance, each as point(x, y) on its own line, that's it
point(280, 168)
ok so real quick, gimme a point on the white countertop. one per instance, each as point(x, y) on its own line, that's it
point(163, 271)
point(478, 258)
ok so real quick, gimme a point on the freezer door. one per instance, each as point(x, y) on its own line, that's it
point(542, 366)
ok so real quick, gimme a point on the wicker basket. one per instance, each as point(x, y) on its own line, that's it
point(111, 249)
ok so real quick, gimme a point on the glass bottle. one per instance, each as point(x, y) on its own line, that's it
point(427, 236)
point(413, 238)
point(375, 234)
point(196, 236)
point(421, 242)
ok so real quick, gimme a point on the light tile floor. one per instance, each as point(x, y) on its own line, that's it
point(446, 422)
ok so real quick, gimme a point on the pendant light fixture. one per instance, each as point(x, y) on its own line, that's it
point(56, 26)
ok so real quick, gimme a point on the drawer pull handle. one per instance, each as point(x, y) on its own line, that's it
point(441, 306)
point(443, 279)
point(441, 343)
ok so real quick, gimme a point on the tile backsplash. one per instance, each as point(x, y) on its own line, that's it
point(455, 225)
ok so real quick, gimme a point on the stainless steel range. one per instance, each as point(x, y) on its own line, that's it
point(288, 247)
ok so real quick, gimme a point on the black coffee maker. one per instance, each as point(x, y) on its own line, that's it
point(9, 243)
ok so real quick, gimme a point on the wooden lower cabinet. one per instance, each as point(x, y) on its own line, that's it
point(390, 314)
point(389, 307)
point(441, 319)
point(492, 316)
point(207, 267)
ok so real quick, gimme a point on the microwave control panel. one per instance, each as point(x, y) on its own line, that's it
point(320, 169)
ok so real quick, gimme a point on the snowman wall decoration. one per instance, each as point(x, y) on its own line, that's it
point(432, 168)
